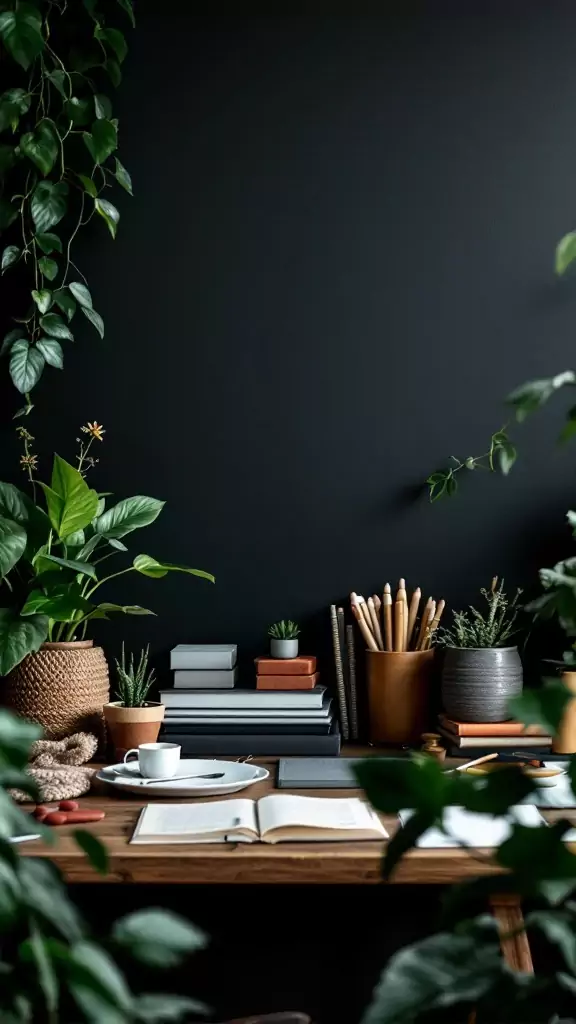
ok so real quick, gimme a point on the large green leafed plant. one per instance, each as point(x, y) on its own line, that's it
point(58, 142)
point(52, 545)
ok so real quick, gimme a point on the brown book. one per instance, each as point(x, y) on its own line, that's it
point(287, 682)
point(490, 728)
point(304, 665)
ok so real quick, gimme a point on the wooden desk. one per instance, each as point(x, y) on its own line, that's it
point(317, 863)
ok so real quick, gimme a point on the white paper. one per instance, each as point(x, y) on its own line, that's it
point(477, 830)
point(185, 820)
point(281, 811)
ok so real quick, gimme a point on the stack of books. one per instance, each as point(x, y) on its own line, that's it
point(242, 721)
point(286, 673)
point(472, 739)
point(204, 666)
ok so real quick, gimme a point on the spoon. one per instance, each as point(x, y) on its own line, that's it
point(170, 778)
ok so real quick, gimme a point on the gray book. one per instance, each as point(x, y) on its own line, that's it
point(211, 656)
point(238, 698)
point(318, 773)
point(281, 746)
point(205, 678)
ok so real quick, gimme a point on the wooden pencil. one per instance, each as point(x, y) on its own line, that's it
point(413, 615)
point(375, 624)
point(423, 624)
point(387, 614)
point(399, 625)
point(352, 678)
point(401, 596)
point(435, 621)
point(344, 724)
point(366, 633)
point(424, 643)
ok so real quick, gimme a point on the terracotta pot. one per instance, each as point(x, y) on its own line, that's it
point(565, 740)
point(63, 687)
point(129, 727)
point(399, 695)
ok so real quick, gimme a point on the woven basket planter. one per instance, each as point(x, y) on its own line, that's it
point(63, 687)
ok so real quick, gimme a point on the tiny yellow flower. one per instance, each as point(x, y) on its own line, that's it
point(29, 461)
point(95, 429)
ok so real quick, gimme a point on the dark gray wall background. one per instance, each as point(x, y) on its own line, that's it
point(337, 262)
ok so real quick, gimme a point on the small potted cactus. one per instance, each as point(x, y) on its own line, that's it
point(132, 719)
point(284, 639)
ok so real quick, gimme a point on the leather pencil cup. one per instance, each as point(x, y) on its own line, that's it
point(399, 695)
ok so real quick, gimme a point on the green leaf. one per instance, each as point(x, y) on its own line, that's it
point(102, 141)
point(26, 365)
point(44, 895)
point(62, 604)
point(506, 454)
point(126, 609)
point(19, 637)
point(42, 146)
point(97, 985)
point(531, 396)
point(49, 242)
point(160, 1008)
point(109, 213)
point(12, 544)
point(75, 540)
point(451, 484)
point(52, 352)
point(13, 104)
point(440, 971)
point(81, 293)
point(158, 937)
point(117, 544)
point(543, 707)
point(127, 6)
point(48, 267)
point(558, 928)
point(149, 566)
point(14, 504)
point(540, 860)
point(65, 302)
point(21, 33)
point(78, 110)
point(569, 429)
point(95, 319)
point(8, 214)
point(61, 81)
point(10, 255)
point(495, 793)
point(565, 253)
point(122, 176)
point(76, 503)
point(392, 784)
point(48, 204)
point(114, 39)
point(43, 299)
point(102, 106)
point(94, 849)
point(404, 839)
point(89, 185)
point(112, 69)
point(46, 975)
point(16, 737)
point(129, 514)
point(9, 340)
point(71, 563)
point(55, 326)
point(436, 485)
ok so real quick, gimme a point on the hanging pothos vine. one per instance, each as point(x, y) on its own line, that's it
point(57, 140)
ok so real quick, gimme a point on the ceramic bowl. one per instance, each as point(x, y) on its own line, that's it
point(544, 777)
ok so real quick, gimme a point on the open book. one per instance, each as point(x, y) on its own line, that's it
point(273, 819)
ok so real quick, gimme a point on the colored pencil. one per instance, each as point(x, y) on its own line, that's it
point(387, 614)
point(413, 615)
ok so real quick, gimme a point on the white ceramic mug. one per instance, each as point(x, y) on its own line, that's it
point(156, 760)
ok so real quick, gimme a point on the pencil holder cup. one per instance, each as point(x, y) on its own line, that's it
point(564, 742)
point(399, 695)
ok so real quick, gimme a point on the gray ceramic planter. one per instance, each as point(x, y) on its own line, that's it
point(477, 683)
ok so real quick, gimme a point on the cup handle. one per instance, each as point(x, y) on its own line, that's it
point(129, 752)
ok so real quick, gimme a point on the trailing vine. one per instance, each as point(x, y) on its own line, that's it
point(57, 140)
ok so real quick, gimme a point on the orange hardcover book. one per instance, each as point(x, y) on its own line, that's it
point(490, 728)
point(304, 665)
point(287, 682)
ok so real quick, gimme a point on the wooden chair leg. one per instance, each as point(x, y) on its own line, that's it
point(507, 910)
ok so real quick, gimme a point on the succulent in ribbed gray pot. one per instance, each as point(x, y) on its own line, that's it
point(481, 672)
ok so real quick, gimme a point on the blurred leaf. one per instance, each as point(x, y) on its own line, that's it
point(45, 896)
point(158, 937)
point(97, 985)
point(540, 860)
point(506, 454)
point(94, 849)
point(495, 793)
point(558, 928)
point(21, 33)
point(114, 39)
point(122, 176)
point(393, 784)
point(12, 544)
point(127, 609)
point(543, 707)
point(531, 396)
point(160, 1008)
point(565, 253)
point(405, 837)
point(436, 485)
point(10, 255)
point(46, 976)
point(19, 637)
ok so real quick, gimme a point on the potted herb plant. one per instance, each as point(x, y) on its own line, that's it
point(284, 639)
point(481, 671)
point(132, 719)
point(53, 544)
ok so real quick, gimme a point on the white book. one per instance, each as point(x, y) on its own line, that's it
point(243, 698)
point(254, 714)
point(206, 678)
point(211, 656)
point(273, 819)
point(477, 830)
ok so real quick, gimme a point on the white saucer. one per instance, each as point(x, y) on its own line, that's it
point(237, 775)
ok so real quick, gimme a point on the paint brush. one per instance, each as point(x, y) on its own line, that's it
point(413, 615)
point(387, 615)
point(375, 624)
point(423, 625)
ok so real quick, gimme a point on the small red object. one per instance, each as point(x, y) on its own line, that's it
point(68, 805)
point(56, 818)
point(40, 812)
point(83, 817)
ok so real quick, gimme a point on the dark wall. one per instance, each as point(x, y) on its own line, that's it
point(337, 262)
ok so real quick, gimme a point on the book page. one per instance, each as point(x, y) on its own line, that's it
point(170, 821)
point(476, 830)
point(322, 813)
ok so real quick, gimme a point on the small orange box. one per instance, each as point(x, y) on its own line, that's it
point(287, 682)
point(304, 665)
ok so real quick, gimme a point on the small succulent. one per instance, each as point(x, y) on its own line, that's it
point(134, 680)
point(284, 630)
point(472, 629)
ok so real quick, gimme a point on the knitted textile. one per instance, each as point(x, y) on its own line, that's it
point(58, 766)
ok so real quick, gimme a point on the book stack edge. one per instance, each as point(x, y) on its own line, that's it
point(473, 739)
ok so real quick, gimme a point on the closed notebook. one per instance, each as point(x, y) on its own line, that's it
point(273, 819)
point(201, 656)
point(206, 678)
point(489, 728)
point(239, 699)
point(287, 682)
point(496, 742)
point(477, 830)
point(304, 665)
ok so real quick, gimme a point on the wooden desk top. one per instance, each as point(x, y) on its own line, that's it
point(224, 863)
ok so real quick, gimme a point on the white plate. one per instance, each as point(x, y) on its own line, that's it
point(237, 775)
